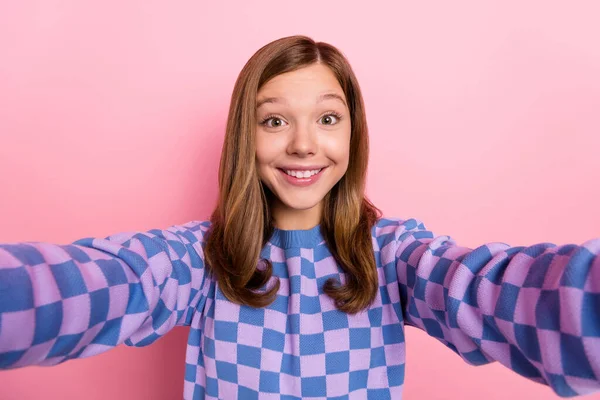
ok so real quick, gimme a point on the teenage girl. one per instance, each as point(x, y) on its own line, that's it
point(296, 287)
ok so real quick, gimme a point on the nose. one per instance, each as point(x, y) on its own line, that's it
point(303, 141)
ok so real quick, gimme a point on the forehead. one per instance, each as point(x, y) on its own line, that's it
point(309, 81)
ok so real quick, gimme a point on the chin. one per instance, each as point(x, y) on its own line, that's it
point(300, 205)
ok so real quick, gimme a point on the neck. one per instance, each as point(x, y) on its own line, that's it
point(287, 218)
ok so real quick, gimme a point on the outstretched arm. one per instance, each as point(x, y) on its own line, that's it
point(59, 302)
point(534, 309)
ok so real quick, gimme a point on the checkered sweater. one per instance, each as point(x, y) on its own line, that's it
point(534, 309)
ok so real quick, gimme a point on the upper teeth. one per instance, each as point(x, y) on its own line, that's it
point(302, 174)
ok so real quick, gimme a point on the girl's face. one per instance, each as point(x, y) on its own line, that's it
point(302, 140)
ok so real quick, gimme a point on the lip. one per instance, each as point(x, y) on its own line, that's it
point(296, 167)
point(301, 182)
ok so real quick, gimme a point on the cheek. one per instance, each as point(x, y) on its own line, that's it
point(261, 165)
point(338, 148)
point(343, 154)
point(266, 154)
point(269, 146)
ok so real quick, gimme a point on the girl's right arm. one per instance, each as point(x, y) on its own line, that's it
point(59, 302)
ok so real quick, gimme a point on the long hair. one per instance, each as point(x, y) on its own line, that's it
point(242, 223)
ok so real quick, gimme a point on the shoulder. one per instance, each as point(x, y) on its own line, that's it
point(197, 228)
point(396, 226)
point(394, 230)
point(190, 233)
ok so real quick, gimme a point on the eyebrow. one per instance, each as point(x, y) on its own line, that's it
point(321, 98)
point(269, 100)
point(331, 96)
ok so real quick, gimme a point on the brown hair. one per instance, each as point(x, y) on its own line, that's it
point(241, 222)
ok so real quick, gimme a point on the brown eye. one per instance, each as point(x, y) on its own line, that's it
point(274, 122)
point(329, 119)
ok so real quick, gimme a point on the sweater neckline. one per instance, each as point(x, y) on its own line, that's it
point(303, 238)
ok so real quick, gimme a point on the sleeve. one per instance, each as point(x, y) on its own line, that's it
point(59, 302)
point(534, 309)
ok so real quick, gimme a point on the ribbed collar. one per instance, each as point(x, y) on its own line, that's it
point(303, 238)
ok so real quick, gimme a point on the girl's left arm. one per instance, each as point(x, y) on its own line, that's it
point(534, 309)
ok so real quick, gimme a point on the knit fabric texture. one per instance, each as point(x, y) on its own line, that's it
point(534, 309)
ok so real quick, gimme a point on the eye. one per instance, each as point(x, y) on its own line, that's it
point(330, 119)
point(273, 122)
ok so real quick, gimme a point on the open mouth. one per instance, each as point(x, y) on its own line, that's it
point(302, 177)
point(302, 174)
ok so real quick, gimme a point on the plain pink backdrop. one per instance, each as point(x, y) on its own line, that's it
point(484, 121)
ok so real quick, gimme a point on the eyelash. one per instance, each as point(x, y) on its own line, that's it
point(268, 117)
point(331, 113)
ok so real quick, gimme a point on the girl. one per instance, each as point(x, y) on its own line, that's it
point(296, 287)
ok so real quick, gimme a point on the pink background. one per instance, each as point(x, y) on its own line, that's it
point(484, 120)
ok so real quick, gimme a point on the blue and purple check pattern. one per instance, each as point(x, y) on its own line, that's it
point(534, 309)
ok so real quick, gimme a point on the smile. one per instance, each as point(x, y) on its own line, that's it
point(302, 177)
point(302, 174)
